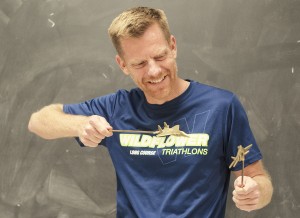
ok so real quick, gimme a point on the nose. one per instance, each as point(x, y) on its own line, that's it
point(154, 68)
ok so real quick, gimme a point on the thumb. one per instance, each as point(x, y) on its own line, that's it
point(238, 182)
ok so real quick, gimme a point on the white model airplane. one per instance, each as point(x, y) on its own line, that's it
point(170, 131)
point(242, 152)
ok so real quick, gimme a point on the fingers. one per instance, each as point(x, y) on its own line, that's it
point(94, 130)
point(246, 207)
point(246, 202)
point(87, 142)
point(246, 197)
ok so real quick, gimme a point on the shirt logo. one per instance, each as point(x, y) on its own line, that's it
point(168, 148)
point(195, 144)
point(147, 141)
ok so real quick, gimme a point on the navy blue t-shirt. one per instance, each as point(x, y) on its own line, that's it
point(173, 176)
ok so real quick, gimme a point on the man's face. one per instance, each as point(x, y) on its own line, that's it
point(151, 62)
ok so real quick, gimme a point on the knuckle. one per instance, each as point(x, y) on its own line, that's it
point(102, 118)
point(234, 200)
point(89, 130)
point(93, 119)
point(84, 135)
point(90, 144)
point(89, 127)
point(84, 141)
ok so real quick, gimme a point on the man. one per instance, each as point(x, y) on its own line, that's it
point(169, 176)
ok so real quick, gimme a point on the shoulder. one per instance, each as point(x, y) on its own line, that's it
point(119, 95)
point(128, 95)
point(211, 89)
point(105, 104)
point(211, 93)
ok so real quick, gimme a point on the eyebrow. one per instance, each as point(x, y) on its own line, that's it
point(162, 53)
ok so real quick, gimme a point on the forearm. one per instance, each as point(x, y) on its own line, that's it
point(266, 190)
point(51, 123)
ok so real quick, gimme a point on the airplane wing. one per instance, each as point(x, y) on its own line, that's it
point(166, 125)
point(236, 159)
point(248, 147)
point(175, 127)
point(234, 162)
point(159, 128)
point(183, 134)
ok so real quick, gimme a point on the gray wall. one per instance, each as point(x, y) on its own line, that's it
point(58, 51)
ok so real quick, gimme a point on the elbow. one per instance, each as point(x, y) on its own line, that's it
point(31, 124)
point(271, 190)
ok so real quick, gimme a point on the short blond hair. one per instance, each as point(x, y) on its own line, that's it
point(134, 22)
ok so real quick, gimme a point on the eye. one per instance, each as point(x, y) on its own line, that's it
point(161, 57)
point(139, 65)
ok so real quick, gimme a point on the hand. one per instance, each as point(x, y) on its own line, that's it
point(246, 197)
point(93, 130)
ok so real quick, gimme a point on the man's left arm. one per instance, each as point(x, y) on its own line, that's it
point(257, 190)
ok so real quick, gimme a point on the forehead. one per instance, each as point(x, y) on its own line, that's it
point(151, 43)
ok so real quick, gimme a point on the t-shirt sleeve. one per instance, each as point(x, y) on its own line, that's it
point(239, 133)
point(102, 106)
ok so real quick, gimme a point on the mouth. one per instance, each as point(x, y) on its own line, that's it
point(157, 81)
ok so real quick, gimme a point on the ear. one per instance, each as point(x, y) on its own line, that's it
point(122, 64)
point(173, 46)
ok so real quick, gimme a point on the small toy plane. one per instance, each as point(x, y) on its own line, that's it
point(170, 131)
point(240, 157)
point(166, 131)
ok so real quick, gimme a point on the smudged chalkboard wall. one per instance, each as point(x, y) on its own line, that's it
point(59, 51)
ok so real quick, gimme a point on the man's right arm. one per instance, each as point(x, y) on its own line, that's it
point(51, 123)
